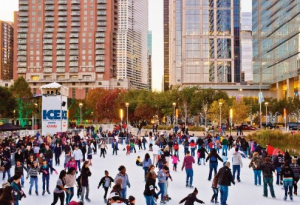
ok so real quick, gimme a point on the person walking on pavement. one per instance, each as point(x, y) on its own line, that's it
point(237, 164)
point(224, 180)
point(188, 162)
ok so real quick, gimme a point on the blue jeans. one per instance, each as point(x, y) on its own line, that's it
point(288, 186)
point(257, 176)
point(50, 162)
point(268, 181)
point(69, 196)
point(212, 166)
point(278, 170)
point(22, 180)
point(33, 181)
point(224, 149)
point(145, 170)
point(78, 164)
point(123, 193)
point(201, 159)
point(193, 152)
point(4, 173)
point(46, 181)
point(236, 168)
point(189, 176)
point(161, 190)
point(224, 194)
point(149, 200)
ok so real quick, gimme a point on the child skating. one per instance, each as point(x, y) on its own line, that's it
point(106, 184)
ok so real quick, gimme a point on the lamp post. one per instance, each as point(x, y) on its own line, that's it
point(230, 116)
point(121, 115)
point(174, 120)
point(127, 105)
point(220, 104)
point(80, 106)
point(266, 104)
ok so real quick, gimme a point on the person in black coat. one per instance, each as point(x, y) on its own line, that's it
point(106, 183)
point(191, 198)
point(149, 191)
point(57, 153)
point(213, 158)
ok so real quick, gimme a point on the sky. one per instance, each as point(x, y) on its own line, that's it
point(155, 25)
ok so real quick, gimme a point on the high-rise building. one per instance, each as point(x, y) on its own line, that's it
point(6, 50)
point(132, 42)
point(149, 45)
point(246, 47)
point(204, 37)
point(276, 46)
point(166, 46)
point(72, 42)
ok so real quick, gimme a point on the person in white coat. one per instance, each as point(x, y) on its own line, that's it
point(156, 152)
point(77, 154)
point(237, 164)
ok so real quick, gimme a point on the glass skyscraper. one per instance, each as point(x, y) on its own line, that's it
point(204, 42)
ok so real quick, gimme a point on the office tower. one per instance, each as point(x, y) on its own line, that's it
point(246, 47)
point(132, 42)
point(149, 46)
point(276, 46)
point(204, 37)
point(6, 50)
point(72, 42)
point(166, 46)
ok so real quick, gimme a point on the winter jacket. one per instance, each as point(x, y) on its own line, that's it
point(150, 188)
point(147, 163)
point(85, 174)
point(237, 159)
point(267, 169)
point(257, 161)
point(190, 199)
point(6, 164)
point(224, 176)
point(213, 157)
point(296, 170)
point(125, 180)
point(70, 180)
point(224, 142)
point(48, 154)
point(45, 169)
point(33, 172)
point(16, 191)
point(19, 169)
point(102, 181)
point(19, 157)
point(77, 154)
point(278, 161)
point(57, 150)
point(188, 162)
point(286, 172)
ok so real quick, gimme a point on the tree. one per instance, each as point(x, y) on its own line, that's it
point(8, 103)
point(240, 111)
point(214, 111)
point(23, 95)
point(144, 112)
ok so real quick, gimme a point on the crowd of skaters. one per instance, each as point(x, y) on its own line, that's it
point(32, 155)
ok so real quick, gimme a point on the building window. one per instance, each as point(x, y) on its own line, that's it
point(73, 93)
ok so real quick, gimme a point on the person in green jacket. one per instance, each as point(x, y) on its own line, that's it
point(17, 192)
point(224, 144)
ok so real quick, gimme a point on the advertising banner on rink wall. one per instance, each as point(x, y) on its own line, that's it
point(54, 114)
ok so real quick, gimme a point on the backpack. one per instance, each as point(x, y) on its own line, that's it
point(213, 159)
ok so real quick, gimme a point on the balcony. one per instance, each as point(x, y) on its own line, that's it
point(101, 7)
point(75, 8)
point(60, 70)
point(49, 19)
point(22, 65)
point(49, 8)
point(100, 58)
point(60, 58)
point(73, 19)
point(47, 59)
point(47, 41)
point(74, 53)
point(49, 25)
point(23, 25)
point(75, 24)
point(22, 47)
point(74, 35)
point(74, 64)
point(74, 41)
point(47, 47)
point(21, 69)
point(62, 19)
point(73, 58)
point(47, 53)
point(75, 29)
point(73, 47)
point(22, 42)
point(23, 8)
point(101, 13)
point(23, 19)
point(75, 13)
point(49, 13)
point(100, 52)
point(100, 63)
point(49, 2)
point(22, 59)
point(101, 1)
point(60, 53)
point(100, 40)
point(62, 24)
point(61, 35)
point(75, 1)
point(49, 30)
point(62, 8)
point(101, 18)
point(100, 35)
point(62, 2)
point(100, 69)
point(73, 70)
point(60, 41)
point(60, 47)
point(47, 64)
point(23, 14)
point(48, 35)
point(47, 70)
point(23, 2)
point(62, 13)
point(61, 30)
point(22, 53)
point(100, 46)
point(101, 29)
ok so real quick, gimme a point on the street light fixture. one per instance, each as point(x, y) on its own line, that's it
point(127, 105)
point(174, 120)
point(80, 106)
point(220, 104)
point(266, 104)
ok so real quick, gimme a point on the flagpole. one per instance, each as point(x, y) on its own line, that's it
point(260, 115)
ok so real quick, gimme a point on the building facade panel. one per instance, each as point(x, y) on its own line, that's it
point(6, 50)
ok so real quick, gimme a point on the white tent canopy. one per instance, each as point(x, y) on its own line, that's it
point(54, 87)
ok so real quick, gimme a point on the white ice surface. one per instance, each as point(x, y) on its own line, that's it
point(242, 193)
